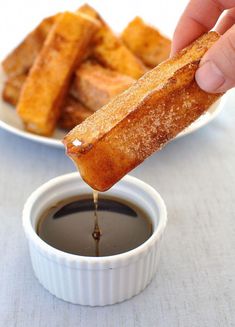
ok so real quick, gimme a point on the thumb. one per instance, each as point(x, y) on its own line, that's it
point(216, 73)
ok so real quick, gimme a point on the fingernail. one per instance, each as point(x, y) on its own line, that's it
point(209, 77)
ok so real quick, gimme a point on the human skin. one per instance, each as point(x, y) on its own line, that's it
point(217, 68)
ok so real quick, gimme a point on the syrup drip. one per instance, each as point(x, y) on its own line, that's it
point(96, 232)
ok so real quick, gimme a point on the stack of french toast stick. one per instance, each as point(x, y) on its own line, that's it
point(72, 64)
point(121, 95)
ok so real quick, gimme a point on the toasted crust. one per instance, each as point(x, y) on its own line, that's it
point(133, 125)
point(95, 85)
point(73, 113)
point(47, 84)
point(146, 42)
point(110, 50)
point(12, 89)
point(20, 60)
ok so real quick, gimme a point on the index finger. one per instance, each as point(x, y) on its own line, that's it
point(199, 17)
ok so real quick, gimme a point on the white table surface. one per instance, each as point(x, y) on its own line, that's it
point(195, 284)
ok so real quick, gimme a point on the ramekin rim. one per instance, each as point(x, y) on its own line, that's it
point(68, 257)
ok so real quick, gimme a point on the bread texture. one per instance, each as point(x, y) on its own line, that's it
point(141, 120)
point(110, 50)
point(47, 84)
point(12, 88)
point(95, 85)
point(73, 113)
point(146, 42)
point(20, 60)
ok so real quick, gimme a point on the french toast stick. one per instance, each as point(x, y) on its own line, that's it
point(20, 60)
point(146, 42)
point(12, 88)
point(95, 85)
point(73, 113)
point(47, 84)
point(141, 120)
point(110, 51)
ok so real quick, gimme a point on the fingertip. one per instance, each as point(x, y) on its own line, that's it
point(173, 51)
point(175, 48)
point(209, 77)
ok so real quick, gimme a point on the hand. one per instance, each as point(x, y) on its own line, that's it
point(217, 68)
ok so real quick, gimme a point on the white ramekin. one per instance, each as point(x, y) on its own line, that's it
point(90, 280)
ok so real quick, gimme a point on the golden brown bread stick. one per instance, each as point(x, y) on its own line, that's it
point(73, 113)
point(146, 42)
point(141, 120)
point(20, 60)
point(110, 50)
point(95, 85)
point(47, 84)
point(12, 88)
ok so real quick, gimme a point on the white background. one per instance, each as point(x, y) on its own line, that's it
point(18, 17)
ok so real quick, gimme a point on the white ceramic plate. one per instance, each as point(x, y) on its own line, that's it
point(12, 123)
